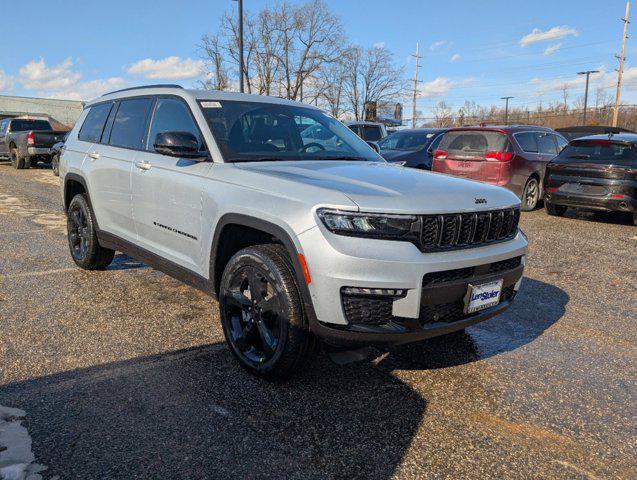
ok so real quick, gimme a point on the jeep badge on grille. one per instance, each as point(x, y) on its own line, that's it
point(481, 200)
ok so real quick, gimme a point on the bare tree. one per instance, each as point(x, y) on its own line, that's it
point(213, 54)
point(442, 114)
point(371, 76)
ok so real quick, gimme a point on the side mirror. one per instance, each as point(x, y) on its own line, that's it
point(178, 144)
point(374, 146)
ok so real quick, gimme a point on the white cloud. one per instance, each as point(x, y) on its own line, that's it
point(36, 75)
point(455, 57)
point(379, 45)
point(605, 79)
point(554, 33)
point(169, 68)
point(551, 49)
point(60, 81)
point(438, 44)
point(6, 82)
point(441, 85)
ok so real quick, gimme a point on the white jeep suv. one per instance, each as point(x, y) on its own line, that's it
point(298, 240)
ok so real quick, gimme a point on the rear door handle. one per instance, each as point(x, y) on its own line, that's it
point(94, 155)
point(143, 165)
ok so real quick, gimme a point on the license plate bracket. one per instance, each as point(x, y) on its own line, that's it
point(482, 295)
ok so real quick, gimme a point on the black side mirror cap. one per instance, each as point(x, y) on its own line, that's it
point(179, 144)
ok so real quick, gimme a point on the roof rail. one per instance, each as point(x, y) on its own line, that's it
point(160, 85)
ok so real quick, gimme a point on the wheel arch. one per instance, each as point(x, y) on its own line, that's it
point(263, 231)
point(74, 184)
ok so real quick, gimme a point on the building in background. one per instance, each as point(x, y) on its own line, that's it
point(61, 113)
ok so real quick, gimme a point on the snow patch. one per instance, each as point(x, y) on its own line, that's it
point(17, 461)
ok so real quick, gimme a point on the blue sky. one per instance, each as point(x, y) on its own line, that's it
point(472, 50)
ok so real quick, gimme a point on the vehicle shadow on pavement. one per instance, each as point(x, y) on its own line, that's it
point(124, 262)
point(196, 414)
point(618, 218)
point(538, 306)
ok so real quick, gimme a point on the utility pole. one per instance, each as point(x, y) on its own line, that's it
point(588, 74)
point(620, 72)
point(506, 109)
point(240, 5)
point(413, 114)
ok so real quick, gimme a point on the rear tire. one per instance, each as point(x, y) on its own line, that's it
point(262, 313)
point(635, 219)
point(32, 162)
point(554, 210)
point(16, 160)
point(530, 194)
point(85, 249)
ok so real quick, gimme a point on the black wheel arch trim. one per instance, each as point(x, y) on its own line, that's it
point(277, 232)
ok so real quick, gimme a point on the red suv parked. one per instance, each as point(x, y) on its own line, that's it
point(512, 156)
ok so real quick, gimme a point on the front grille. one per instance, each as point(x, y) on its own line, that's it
point(453, 231)
point(434, 278)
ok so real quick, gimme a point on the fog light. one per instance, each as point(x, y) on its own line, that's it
point(383, 292)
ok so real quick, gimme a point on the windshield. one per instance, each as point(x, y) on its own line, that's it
point(23, 125)
point(255, 131)
point(406, 141)
point(600, 151)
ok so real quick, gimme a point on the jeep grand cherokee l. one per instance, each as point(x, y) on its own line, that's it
point(298, 240)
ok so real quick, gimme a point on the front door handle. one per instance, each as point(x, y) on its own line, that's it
point(143, 165)
point(94, 155)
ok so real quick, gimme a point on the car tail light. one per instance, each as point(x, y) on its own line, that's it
point(31, 138)
point(499, 156)
point(616, 195)
point(551, 189)
point(440, 154)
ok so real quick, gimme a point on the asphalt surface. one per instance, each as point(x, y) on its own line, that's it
point(124, 373)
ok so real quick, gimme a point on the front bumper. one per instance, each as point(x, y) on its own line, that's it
point(31, 151)
point(336, 262)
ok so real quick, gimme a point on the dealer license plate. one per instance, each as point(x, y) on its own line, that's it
point(482, 296)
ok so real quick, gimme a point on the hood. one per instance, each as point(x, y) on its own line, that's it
point(383, 187)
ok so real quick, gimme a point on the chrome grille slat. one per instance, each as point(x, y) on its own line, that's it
point(462, 230)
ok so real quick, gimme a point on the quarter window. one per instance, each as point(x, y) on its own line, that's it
point(171, 115)
point(130, 123)
point(527, 141)
point(546, 143)
point(93, 125)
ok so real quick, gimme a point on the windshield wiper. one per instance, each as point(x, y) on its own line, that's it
point(343, 157)
point(257, 159)
point(580, 155)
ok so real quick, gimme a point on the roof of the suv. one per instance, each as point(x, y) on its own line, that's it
point(195, 95)
point(619, 137)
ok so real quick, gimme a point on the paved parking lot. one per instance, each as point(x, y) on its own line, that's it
point(124, 373)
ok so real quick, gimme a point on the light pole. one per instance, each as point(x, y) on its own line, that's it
point(240, 5)
point(506, 109)
point(588, 74)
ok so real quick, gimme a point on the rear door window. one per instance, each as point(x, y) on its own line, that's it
point(546, 144)
point(93, 125)
point(129, 127)
point(527, 141)
point(472, 143)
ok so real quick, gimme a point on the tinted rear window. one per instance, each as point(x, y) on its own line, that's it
point(93, 125)
point(129, 126)
point(472, 142)
point(372, 133)
point(23, 125)
point(601, 151)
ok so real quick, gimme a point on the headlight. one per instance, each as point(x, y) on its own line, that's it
point(383, 226)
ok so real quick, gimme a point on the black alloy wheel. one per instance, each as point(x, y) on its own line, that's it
point(78, 232)
point(262, 314)
point(254, 315)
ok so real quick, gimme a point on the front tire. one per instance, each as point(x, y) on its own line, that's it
point(530, 194)
point(85, 249)
point(555, 210)
point(262, 314)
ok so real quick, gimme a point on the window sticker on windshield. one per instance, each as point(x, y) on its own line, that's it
point(210, 104)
